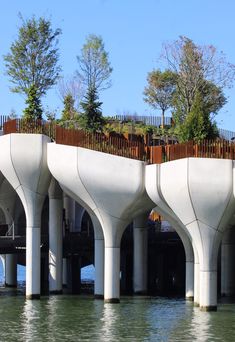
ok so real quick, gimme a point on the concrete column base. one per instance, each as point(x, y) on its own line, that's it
point(98, 296)
point(196, 304)
point(112, 300)
point(33, 296)
point(208, 308)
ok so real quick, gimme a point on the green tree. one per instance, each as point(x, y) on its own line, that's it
point(69, 112)
point(195, 66)
point(160, 90)
point(92, 119)
point(34, 109)
point(94, 66)
point(198, 124)
point(33, 57)
point(201, 73)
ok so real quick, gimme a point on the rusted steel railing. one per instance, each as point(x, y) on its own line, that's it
point(29, 126)
point(116, 145)
point(129, 146)
point(221, 149)
point(3, 119)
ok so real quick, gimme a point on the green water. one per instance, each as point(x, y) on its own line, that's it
point(75, 318)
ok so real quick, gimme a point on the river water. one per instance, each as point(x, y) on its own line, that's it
point(80, 318)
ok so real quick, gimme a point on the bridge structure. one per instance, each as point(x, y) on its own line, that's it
point(119, 180)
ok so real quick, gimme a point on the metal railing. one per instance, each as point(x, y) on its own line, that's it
point(29, 126)
point(168, 121)
point(221, 149)
point(148, 120)
point(3, 119)
point(129, 146)
point(112, 144)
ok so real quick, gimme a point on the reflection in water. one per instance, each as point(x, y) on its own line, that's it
point(200, 327)
point(109, 319)
point(75, 318)
point(33, 320)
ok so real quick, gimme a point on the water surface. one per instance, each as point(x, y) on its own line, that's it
point(76, 318)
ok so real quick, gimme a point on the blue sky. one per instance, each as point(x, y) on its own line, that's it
point(133, 32)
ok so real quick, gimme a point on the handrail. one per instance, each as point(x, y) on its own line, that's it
point(29, 126)
point(130, 146)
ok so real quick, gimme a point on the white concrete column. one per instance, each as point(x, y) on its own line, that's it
point(113, 231)
point(140, 235)
point(99, 268)
point(33, 262)
point(24, 164)
point(112, 275)
point(205, 207)
point(55, 237)
point(189, 280)
point(11, 270)
point(196, 283)
point(115, 193)
point(228, 263)
point(208, 258)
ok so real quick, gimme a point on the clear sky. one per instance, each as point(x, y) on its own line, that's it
point(133, 32)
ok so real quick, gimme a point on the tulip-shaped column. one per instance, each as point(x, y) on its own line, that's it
point(55, 237)
point(200, 192)
point(23, 163)
point(112, 187)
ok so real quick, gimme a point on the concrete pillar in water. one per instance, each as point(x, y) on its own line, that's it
point(228, 263)
point(11, 270)
point(55, 237)
point(140, 235)
point(24, 165)
point(200, 193)
point(115, 193)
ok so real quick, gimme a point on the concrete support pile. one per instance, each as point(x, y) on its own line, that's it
point(200, 193)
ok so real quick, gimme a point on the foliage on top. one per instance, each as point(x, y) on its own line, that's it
point(33, 57)
point(192, 86)
point(94, 66)
point(34, 108)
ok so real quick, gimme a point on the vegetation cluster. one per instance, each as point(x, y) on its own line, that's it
point(191, 86)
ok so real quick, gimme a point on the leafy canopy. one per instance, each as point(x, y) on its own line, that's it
point(94, 66)
point(33, 57)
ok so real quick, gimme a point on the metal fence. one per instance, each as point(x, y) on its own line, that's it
point(157, 121)
point(148, 120)
point(3, 119)
point(129, 146)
